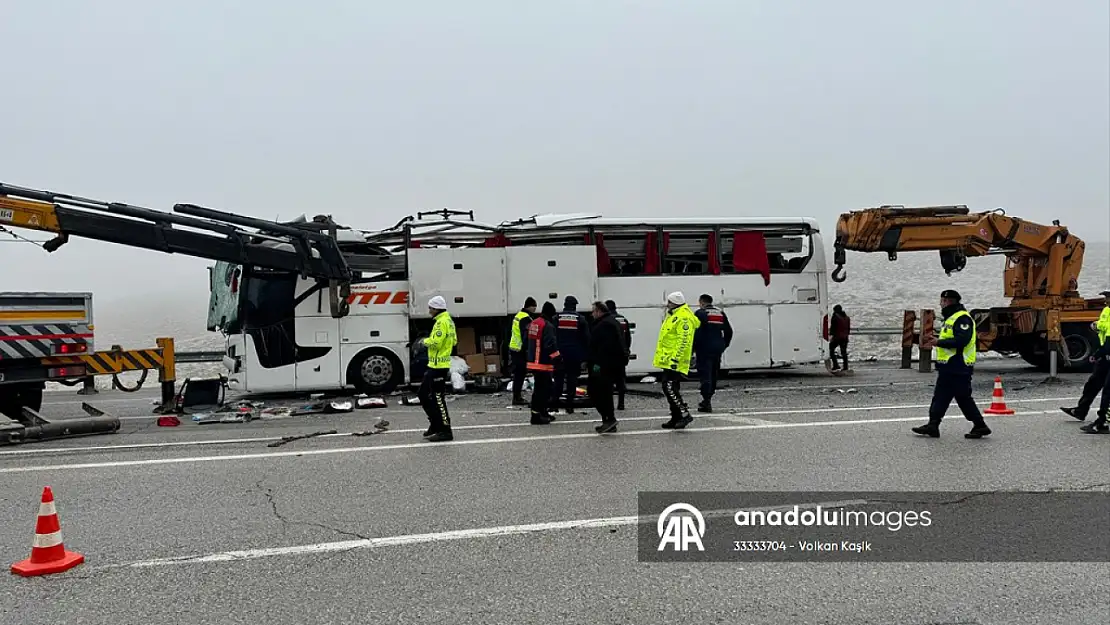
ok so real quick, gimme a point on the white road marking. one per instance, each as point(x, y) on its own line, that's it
point(481, 532)
point(734, 417)
point(427, 445)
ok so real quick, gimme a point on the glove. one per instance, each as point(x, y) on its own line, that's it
point(596, 369)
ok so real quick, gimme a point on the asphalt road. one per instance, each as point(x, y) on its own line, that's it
point(513, 523)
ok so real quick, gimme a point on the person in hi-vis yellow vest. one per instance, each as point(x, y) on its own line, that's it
point(518, 353)
point(673, 352)
point(433, 388)
point(955, 362)
point(1100, 375)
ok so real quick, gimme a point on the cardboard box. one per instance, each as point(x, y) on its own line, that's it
point(477, 364)
point(489, 345)
point(466, 346)
point(493, 364)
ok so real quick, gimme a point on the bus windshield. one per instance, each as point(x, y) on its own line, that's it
point(223, 297)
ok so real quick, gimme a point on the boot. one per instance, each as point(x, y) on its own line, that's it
point(670, 425)
point(705, 406)
point(519, 401)
point(685, 420)
point(931, 429)
point(620, 402)
point(979, 430)
point(1098, 426)
point(1074, 412)
point(539, 419)
point(441, 435)
point(606, 427)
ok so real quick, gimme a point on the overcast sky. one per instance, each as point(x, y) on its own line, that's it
point(374, 110)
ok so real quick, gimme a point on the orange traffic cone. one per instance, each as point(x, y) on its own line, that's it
point(998, 401)
point(48, 554)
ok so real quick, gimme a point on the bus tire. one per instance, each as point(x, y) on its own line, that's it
point(375, 371)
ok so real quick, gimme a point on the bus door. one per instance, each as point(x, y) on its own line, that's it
point(319, 365)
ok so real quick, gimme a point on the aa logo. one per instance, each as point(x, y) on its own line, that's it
point(681, 531)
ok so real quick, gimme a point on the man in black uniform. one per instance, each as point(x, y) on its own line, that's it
point(626, 332)
point(607, 360)
point(573, 331)
point(955, 362)
point(1101, 370)
point(711, 339)
point(1098, 426)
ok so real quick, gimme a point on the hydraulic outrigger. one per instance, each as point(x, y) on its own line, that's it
point(310, 249)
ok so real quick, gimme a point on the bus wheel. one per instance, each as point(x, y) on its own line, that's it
point(376, 371)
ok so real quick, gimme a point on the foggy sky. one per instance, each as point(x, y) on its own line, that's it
point(372, 111)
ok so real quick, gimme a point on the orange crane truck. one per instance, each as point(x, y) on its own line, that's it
point(1046, 313)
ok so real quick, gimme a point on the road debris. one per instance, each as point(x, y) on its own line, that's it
point(289, 439)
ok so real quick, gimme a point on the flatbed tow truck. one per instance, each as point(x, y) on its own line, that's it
point(48, 337)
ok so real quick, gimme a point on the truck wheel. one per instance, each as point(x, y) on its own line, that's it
point(1080, 343)
point(376, 371)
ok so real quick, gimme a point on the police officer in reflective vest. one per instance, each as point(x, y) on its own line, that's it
point(543, 355)
point(573, 332)
point(1101, 371)
point(1098, 426)
point(712, 338)
point(626, 332)
point(519, 355)
point(955, 362)
point(433, 388)
point(672, 354)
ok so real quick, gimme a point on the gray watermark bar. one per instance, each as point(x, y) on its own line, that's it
point(938, 526)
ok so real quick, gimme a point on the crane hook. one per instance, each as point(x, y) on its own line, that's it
point(838, 274)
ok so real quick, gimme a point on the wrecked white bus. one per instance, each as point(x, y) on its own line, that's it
point(768, 275)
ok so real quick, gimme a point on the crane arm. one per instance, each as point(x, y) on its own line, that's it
point(211, 234)
point(1043, 260)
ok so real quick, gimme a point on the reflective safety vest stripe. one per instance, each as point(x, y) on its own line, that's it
point(516, 342)
point(441, 342)
point(1103, 325)
point(946, 332)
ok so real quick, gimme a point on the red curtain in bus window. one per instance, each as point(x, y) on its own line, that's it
point(414, 244)
point(498, 240)
point(603, 264)
point(749, 253)
point(714, 257)
point(652, 262)
point(651, 253)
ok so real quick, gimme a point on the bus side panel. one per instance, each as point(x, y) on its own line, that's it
point(796, 334)
point(751, 339)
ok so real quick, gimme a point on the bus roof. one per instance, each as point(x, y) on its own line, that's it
point(588, 219)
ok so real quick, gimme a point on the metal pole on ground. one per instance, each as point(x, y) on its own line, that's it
point(1055, 348)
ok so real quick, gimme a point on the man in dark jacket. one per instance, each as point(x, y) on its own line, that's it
point(955, 362)
point(840, 327)
point(1101, 358)
point(626, 332)
point(607, 359)
point(1101, 371)
point(543, 354)
point(711, 339)
point(573, 331)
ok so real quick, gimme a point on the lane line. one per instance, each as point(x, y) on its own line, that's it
point(428, 446)
point(466, 534)
point(736, 417)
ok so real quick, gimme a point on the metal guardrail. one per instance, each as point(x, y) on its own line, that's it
point(200, 356)
point(217, 355)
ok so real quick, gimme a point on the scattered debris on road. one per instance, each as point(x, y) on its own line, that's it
point(289, 439)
